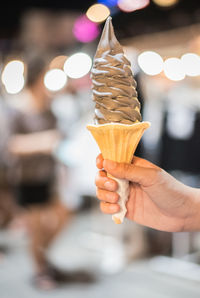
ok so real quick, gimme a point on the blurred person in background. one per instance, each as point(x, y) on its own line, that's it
point(34, 138)
point(7, 204)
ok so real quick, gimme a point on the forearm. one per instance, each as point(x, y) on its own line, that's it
point(192, 221)
point(177, 201)
point(186, 201)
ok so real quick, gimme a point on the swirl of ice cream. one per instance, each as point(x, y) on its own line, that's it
point(114, 88)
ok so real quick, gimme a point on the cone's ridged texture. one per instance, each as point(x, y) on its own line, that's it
point(118, 142)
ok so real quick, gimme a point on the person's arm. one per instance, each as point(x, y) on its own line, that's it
point(34, 143)
point(156, 200)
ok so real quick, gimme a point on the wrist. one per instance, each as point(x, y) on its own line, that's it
point(192, 220)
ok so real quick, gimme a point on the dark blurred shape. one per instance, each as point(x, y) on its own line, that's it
point(36, 65)
point(126, 24)
point(62, 277)
point(159, 243)
point(183, 155)
point(7, 204)
point(47, 30)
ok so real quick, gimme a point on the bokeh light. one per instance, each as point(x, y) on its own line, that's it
point(109, 3)
point(55, 79)
point(150, 62)
point(165, 3)
point(132, 5)
point(191, 64)
point(173, 69)
point(85, 30)
point(15, 85)
point(13, 76)
point(12, 70)
point(98, 13)
point(58, 62)
point(78, 65)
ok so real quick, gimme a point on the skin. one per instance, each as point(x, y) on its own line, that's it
point(156, 199)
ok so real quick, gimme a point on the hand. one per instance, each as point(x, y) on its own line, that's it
point(156, 199)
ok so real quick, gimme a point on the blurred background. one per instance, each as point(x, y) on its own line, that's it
point(53, 236)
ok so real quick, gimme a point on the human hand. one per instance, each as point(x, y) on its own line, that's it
point(156, 199)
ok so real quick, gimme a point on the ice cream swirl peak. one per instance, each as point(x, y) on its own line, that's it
point(114, 88)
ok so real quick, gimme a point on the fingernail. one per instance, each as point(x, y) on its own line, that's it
point(109, 185)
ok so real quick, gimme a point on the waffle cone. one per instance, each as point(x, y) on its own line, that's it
point(118, 142)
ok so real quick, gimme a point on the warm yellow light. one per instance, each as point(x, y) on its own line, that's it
point(150, 62)
point(173, 69)
point(98, 13)
point(165, 3)
point(132, 5)
point(58, 62)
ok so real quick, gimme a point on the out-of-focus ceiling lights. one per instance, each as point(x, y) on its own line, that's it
point(150, 62)
point(132, 5)
point(12, 68)
point(191, 64)
point(109, 3)
point(13, 76)
point(165, 3)
point(55, 79)
point(78, 65)
point(98, 13)
point(173, 69)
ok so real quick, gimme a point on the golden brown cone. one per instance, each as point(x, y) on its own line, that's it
point(118, 142)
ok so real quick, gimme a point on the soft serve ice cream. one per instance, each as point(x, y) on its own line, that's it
point(118, 127)
point(114, 88)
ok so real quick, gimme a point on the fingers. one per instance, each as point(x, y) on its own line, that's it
point(104, 182)
point(137, 161)
point(107, 196)
point(106, 188)
point(99, 161)
point(109, 208)
point(146, 176)
point(140, 171)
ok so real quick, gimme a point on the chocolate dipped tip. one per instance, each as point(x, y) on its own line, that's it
point(108, 40)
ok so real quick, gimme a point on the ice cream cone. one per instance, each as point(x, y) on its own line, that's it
point(118, 127)
point(118, 142)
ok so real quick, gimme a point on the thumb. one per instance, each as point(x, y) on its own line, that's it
point(143, 175)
